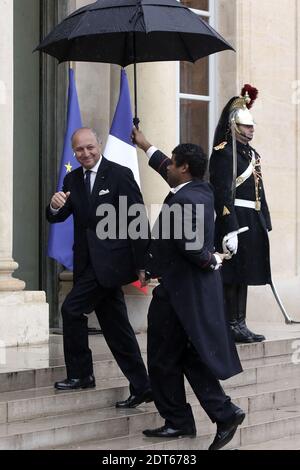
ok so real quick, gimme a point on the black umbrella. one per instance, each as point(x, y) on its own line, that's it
point(130, 31)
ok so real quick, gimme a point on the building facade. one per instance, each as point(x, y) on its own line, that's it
point(177, 103)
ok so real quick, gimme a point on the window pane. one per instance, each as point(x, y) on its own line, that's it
point(194, 78)
point(197, 4)
point(194, 117)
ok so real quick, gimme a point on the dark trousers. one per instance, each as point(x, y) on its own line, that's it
point(171, 356)
point(235, 298)
point(87, 295)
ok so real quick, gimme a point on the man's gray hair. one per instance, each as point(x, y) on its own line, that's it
point(88, 129)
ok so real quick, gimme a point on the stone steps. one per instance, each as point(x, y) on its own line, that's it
point(34, 415)
point(285, 443)
point(60, 429)
point(42, 401)
point(63, 431)
point(257, 427)
point(107, 369)
point(22, 377)
point(35, 403)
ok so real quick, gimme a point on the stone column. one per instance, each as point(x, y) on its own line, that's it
point(7, 264)
point(23, 315)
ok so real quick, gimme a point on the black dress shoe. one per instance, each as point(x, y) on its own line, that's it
point(240, 336)
point(226, 431)
point(166, 431)
point(257, 338)
point(135, 400)
point(72, 384)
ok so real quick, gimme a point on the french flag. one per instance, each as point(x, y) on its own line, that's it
point(119, 147)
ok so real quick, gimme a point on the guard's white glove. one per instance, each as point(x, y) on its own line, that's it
point(232, 242)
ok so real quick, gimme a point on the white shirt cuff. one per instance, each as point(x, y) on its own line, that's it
point(54, 211)
point(151, 151)
point(218, 260)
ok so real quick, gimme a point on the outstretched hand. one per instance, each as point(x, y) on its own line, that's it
point(59, 199)
point(140, 140)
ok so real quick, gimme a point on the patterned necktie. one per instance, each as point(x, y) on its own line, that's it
point(87, 183)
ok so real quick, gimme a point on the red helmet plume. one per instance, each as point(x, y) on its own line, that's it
point(252, 92)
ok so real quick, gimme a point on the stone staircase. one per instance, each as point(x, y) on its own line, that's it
point(35, 416)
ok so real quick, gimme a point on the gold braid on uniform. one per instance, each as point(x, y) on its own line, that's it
point(257, 167)
point(257, 178)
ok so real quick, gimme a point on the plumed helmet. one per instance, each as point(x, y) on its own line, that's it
point(237, 109)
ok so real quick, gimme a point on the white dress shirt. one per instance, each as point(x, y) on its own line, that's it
point(94, 172)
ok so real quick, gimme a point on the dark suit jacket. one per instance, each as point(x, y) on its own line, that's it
point(115, 261)
point(193, 286)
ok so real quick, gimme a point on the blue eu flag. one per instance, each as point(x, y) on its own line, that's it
point(61, 236)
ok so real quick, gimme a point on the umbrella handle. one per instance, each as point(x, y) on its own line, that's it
point(136, 120)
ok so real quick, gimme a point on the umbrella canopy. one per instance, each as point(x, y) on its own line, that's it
point(130, 31)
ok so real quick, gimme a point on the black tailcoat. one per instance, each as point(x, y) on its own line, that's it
point(194, 288)
point(251, 264)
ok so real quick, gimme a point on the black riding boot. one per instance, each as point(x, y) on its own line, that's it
point(235, 299)
point(242, 306)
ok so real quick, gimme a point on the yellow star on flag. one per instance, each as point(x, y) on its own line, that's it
point(69, 167)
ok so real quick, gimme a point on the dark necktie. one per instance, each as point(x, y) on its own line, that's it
point(168, 197)
point(87, 182)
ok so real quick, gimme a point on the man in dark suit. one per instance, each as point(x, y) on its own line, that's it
point(187, 331)
point(101, 266)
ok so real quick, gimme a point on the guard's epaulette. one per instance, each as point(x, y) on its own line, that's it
point(220, 146)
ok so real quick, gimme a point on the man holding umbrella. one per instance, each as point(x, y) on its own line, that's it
point(235, 173)
point(187, 331)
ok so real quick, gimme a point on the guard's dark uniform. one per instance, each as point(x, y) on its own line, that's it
point(251, 264)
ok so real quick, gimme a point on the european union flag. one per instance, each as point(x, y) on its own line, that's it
point(61, 236)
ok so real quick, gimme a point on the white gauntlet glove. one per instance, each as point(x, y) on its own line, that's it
point(231, 242)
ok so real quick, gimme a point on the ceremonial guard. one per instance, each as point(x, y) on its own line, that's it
point(241, 206)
